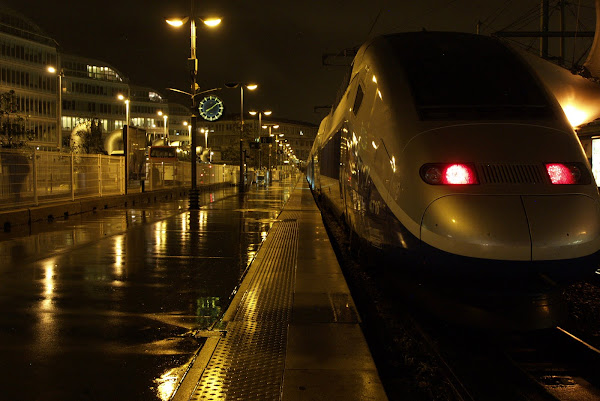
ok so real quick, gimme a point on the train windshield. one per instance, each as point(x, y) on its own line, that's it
point(468, 77)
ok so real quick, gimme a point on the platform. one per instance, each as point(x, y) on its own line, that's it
point(292, 331)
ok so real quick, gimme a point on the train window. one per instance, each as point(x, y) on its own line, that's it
point(468, 76)
point(358, 100)
point(330, 157)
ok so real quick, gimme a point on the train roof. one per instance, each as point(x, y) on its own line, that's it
point(460, 75)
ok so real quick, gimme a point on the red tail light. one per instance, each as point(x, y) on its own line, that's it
point(449, 174)
point(566, 173)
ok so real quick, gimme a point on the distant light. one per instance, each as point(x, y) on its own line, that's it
point(267, 113)
point(575, 115)
point(120, 97)
point(252, 113)
point(51, 69)
point(374, 79)
point(212, 22)
point(252, 86)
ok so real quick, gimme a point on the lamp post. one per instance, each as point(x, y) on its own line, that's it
point(271, 135)
point(60, 75)
point(125, 133)
point(279, 144)
point(126, 100)
point(165, 130)
point(260, 113)
point(250, 87)
point(193, 66)
point(189, 127)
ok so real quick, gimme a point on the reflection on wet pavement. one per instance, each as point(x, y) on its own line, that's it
point(101, 306)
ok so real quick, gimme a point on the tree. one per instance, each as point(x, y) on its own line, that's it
point(13, 133)
point(88, 137)
point(231, 152)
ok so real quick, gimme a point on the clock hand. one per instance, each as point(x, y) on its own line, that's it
point(212, 107)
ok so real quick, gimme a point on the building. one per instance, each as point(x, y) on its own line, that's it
point(89, 90)
point(293, 139)
point(25, 53)
point(93, 89)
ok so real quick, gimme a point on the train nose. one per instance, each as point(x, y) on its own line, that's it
point(562, 226)
point(513, 227)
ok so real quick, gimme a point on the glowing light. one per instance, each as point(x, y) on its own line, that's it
point(575, 115)
point(166, 384)
point(374, 79)
point(212, 22)
point(51, 70)
point(49, 284)
point(177, 22)
point(459, 174)
point(560, 174)
point(448, 174)
point(374, 144)
point(252, 86)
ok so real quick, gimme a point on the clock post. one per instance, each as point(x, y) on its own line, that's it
point(193, 62)
point(193, 68)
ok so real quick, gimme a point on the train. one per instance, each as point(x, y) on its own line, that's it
point(448, 148)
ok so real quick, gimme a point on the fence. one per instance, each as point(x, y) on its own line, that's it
point(34, 177)
point(161, 175)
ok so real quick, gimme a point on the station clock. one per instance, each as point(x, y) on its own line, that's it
point(211, 108)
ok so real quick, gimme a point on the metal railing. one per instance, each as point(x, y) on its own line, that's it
point(32, 177)
point(161, 175)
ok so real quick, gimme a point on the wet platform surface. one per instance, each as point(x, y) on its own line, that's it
point(108, 305)
point(292, 332)
point(102, 306)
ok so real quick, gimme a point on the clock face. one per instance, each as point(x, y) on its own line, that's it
point(211, 108)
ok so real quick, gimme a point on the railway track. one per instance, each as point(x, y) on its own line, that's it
point(560, 363)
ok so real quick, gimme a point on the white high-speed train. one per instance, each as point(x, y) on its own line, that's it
point(448, 144)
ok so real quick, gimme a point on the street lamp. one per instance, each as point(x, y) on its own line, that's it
point(123, 98)
point(260, 113)
point(189, 127)
point(165, 130)
point(250, 87)
point(271, 135)
point(60, 74)
point(278, 144)
point(193, 66)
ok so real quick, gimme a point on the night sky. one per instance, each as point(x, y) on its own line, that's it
point(277, 44)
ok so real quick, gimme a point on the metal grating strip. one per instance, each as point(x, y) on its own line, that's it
point(248, 362)
point(511, 174)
